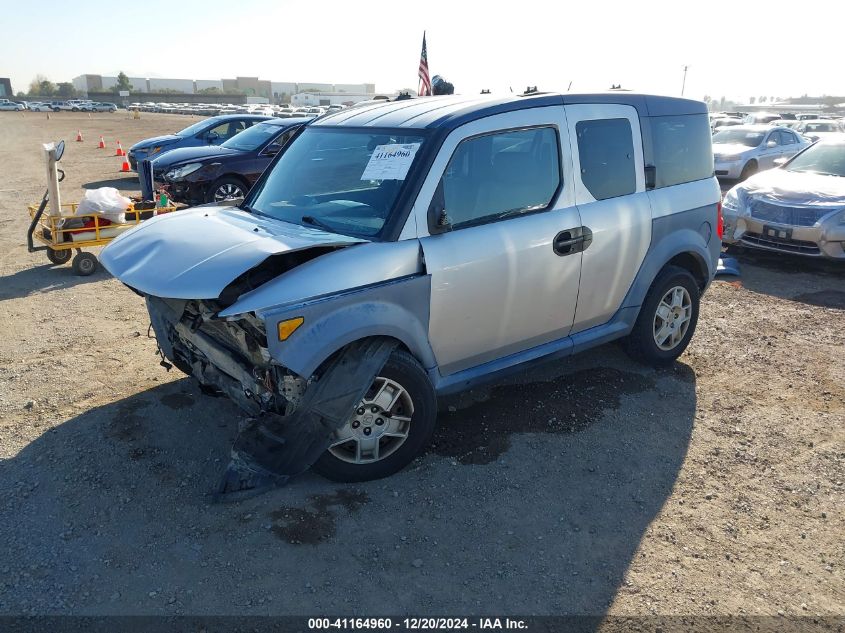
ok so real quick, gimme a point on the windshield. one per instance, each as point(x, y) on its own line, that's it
point(253, 137)
point(341, 180)
point(196, 128)
point(820, 159)
point(743, 137)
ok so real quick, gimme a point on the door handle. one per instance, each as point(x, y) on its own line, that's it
point(572, 241)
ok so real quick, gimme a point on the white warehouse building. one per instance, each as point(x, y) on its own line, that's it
point(179, 85)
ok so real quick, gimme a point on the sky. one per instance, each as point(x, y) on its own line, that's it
point(732, 49)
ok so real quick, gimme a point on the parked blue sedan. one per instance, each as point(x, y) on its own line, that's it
point(213, 131)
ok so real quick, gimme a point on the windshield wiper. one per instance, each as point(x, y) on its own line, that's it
point(310, 219)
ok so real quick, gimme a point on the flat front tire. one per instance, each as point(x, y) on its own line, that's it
point(390, 427)
point(667, 318)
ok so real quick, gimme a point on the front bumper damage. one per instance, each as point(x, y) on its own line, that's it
point(293, 419)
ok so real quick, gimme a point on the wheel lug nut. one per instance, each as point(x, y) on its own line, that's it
point(360, 410)
point(374, 409)
point(367, 430)
point(355, 424)
point(379, 421)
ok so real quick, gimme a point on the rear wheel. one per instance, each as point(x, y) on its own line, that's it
point(390, 427)
point(227, 189)
point(749, 170)
point(667, 318)
point(59, 257)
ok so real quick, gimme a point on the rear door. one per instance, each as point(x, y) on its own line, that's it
point(503, 279)
point(609, 189)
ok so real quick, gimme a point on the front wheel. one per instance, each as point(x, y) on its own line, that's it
point(748, 170)
point(226, 189)
point(667, 318)
point(85, 264)
point(390, 427)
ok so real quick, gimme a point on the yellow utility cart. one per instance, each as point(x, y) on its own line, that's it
point(60, 231)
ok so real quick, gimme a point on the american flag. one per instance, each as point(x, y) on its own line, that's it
point(425, 80)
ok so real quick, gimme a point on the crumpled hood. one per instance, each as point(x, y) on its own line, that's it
point(148, 143)
point(730, 149)
point(195, 254)
point(781, 185)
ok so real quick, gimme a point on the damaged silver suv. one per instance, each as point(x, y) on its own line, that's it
point(398, 251)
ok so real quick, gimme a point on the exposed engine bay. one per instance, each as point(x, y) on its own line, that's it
point(228, 356)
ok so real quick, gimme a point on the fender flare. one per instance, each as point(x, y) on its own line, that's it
point(679, 242)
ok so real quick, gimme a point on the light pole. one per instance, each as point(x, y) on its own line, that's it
point(684, 84)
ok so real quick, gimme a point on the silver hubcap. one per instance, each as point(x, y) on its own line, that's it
point(227, 192)
point(378, 427)
point(671, 321)
point(86, 265)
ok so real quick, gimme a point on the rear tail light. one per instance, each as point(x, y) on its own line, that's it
point(720, 221)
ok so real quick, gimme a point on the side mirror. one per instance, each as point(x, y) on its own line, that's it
point(438, 220)
point(211, 137)
point(771, 144)
point(60, 149)
point(272, 150)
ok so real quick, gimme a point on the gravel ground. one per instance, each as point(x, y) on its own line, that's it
point(588, 486)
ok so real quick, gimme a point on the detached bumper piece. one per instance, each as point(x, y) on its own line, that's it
point(728, 266)
point(274, 448)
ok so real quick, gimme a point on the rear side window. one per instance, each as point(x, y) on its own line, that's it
point(683, 151)
point(606, 153)
point(502, 174)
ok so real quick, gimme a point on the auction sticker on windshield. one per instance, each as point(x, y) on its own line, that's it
point(390, 162)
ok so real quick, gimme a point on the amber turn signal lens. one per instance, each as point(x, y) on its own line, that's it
point(288, 327)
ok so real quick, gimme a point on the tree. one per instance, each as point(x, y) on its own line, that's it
point(122, 83)
point(211, 90)
point(40, 85)
point(752, 100)
point(66, 89)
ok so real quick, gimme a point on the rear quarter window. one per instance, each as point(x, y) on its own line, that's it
point(606, 154)
point(683, 151)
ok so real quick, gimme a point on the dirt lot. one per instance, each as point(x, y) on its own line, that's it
point(590, 486)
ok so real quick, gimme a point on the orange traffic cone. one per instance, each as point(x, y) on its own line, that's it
point(102, 144)
point(79, 136)
point(120, 151)
point(125, 165)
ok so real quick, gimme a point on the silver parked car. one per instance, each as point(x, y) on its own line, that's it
point(743, 150)
point(797, 208)
point(400, 250)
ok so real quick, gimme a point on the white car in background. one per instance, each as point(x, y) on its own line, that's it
point(743, 150)
point(818, 129)
point(37, 106)
point(5, 104)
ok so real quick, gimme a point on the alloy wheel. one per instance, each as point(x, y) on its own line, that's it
point(672, 318)
point(378, 427)
point(227, 191)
